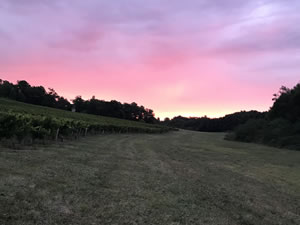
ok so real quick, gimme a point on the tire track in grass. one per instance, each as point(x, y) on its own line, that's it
point(174, 178)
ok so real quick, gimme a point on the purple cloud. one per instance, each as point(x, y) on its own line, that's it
point(245, 41)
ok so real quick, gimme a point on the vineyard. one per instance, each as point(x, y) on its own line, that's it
point(25, 122)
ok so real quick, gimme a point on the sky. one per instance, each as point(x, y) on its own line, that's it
point(189, 58)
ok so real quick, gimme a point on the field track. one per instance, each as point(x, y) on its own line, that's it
point(174, 178)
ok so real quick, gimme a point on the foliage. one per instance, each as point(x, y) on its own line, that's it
point(21, 121)
point(114, 109)
point(24, 92)
point(287, 104)
point(226, 123)
point(37, 95)
point(280, 128)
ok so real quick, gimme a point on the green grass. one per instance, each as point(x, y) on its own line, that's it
point(175, 178)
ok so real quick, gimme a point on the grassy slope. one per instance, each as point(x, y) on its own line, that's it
point(6, 105)
point(176, 178)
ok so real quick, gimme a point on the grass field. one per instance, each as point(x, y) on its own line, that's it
point(175, 178)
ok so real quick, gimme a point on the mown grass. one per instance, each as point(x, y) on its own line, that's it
point(176, 178)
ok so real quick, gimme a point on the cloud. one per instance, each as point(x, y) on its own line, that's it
point(84, 39)
point(157, 33)
point(127, 47)
point(262, 39)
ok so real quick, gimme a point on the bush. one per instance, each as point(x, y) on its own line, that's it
point(281, 128)
point(31, 127)
point(249, 131)
point(278, 133)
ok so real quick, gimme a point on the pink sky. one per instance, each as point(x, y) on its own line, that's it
point(194, 58)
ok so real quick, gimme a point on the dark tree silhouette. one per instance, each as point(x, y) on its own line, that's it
point(24, 92)
point(280, 127)
point(226, 123)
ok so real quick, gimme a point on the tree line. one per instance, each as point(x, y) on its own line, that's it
point(280, 127)
point(205, 124)
point(24, 92)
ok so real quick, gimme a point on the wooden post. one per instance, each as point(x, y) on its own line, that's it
point(57, 133)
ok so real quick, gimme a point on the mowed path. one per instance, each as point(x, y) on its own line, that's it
point(176, 178)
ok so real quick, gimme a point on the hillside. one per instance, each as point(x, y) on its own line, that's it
point(26, 121)
point(24, 92)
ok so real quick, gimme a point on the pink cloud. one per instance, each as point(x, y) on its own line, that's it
point(196, 58)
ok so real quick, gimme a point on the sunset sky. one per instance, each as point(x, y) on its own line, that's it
point(190, 58)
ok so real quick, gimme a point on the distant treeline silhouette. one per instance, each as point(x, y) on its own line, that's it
point(205, 124)
point(22, 91)
point(281, 125)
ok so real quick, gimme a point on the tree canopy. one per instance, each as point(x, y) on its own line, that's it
point(205, 124)
point(22, 91)
point(281, 125)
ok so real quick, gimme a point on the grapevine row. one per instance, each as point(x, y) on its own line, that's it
point(21, 126)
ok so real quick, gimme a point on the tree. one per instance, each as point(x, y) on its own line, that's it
point(24, 92)
point(286, 104)
point(79, 104)
point(63, 103)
